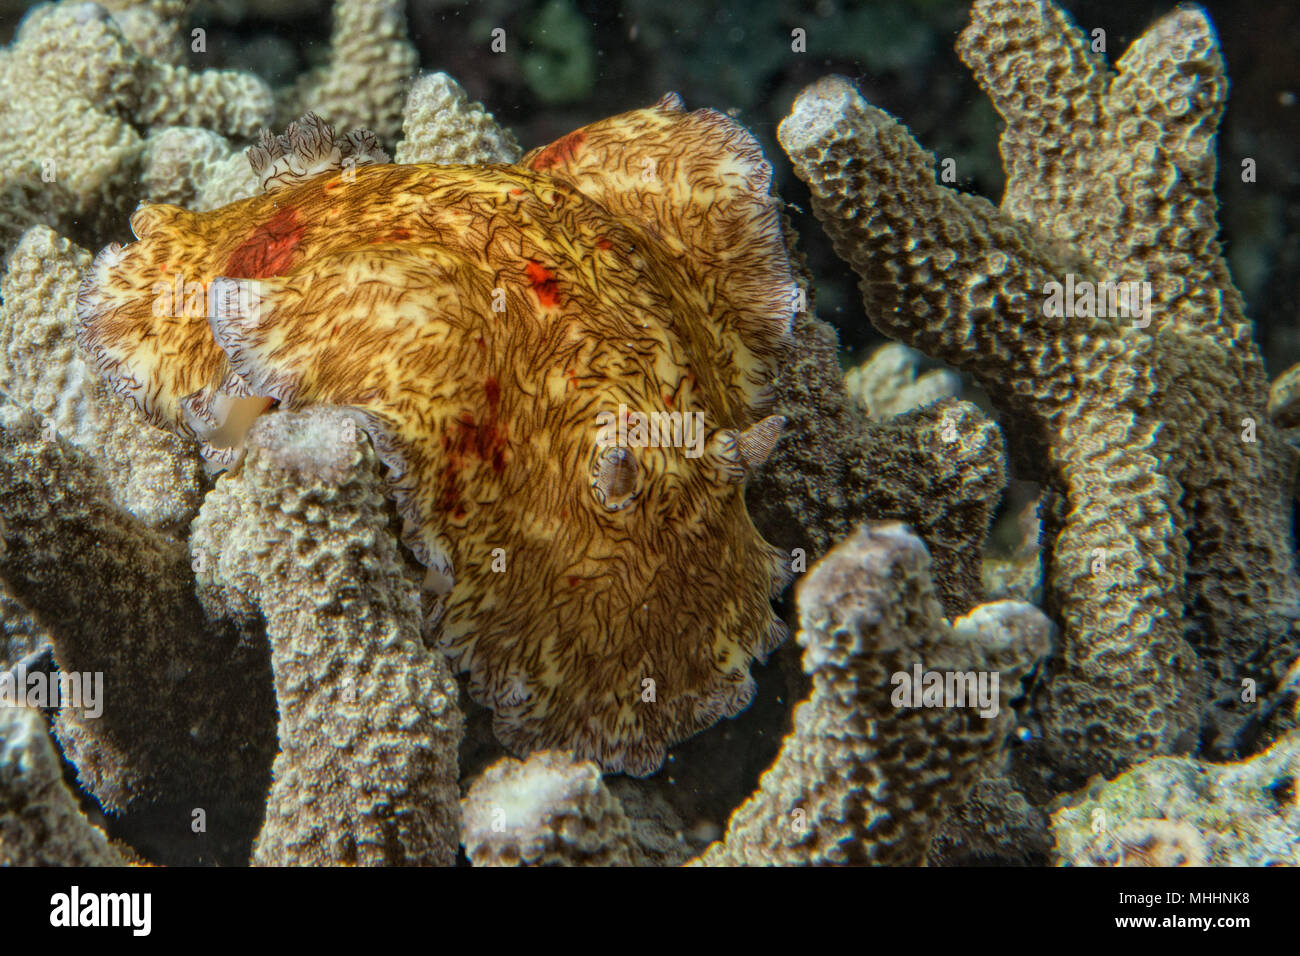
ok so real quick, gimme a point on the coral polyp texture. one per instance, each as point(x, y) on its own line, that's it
point(40, 822)
point(369, 727)
point(866, 776)
point(1169, 558)
point(154, 475)
point(138, 624)
point(1179, 811)
point(941, 468)
point(887, 383)
point(443, 126)
point(70, 144)
point(565, 365)
point(370, 65)
point(548, 810)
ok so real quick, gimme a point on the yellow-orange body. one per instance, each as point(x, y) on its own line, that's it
point(482, 322)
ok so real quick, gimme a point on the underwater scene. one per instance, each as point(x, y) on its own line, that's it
point(647, 434)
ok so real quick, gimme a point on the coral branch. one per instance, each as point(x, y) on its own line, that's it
point(369, 727)
point(1168, 489)
point(861, 778)
point(941, 469)
point(184, 704)
point(548, 810)
point(370, 67)
point(40, 822)
point(1182, 811)
point(441, 125)
point(155, 476)
point(69, 146)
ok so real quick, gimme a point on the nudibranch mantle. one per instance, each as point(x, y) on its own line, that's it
point(481, 323)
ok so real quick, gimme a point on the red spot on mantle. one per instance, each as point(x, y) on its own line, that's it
point(449, 498)
point(543, 282)
point(603, 243)
point(269, 249)
point(466, 440)
point(561, 151)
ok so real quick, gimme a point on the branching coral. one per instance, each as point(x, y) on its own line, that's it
point(369, 727)
point(1110, 178)
point(1284, 399)
point(370, 66)
point(69, 152)
point(887, 384)
point(941, 468)
point(1145, 842)
point(155, 476)
point(195, 167)
point(865, 776)
point(184, 702)
point(293, 583)
point(40, 822)
point(548, 810)
point(343, 627)
point(20, 634)
point(996, 825)
point(152, 26)
point(200, 169)
point(441, 125)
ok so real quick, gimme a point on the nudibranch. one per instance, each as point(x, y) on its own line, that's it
point(565, 365)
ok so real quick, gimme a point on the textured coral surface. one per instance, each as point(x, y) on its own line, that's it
point(548, 810)
point(368, 726)
point(862, 779)
point(1178, 811)
point(1167, 526)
